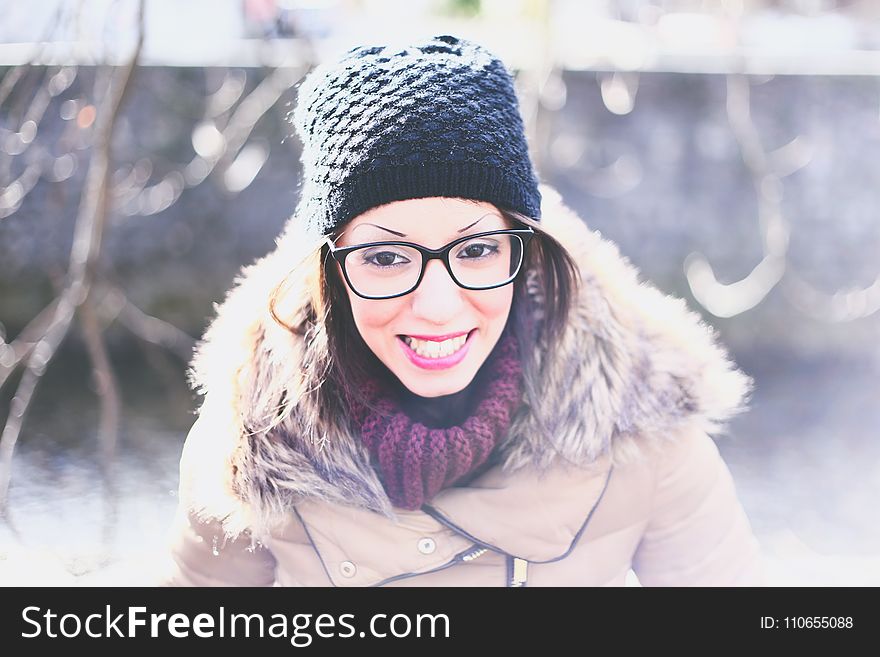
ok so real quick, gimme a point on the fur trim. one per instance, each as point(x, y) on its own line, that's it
point(633, 367)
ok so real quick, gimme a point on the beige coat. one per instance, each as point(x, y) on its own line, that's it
point(632, 478)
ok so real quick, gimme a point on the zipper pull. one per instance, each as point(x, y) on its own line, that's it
point(518, 569)
point(474, 553)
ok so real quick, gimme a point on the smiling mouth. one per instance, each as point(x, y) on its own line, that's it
point(435, 349)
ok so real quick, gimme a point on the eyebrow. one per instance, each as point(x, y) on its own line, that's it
point(394, 232)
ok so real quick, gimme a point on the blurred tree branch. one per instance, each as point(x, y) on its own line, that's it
point(76, 296)
point(223, 146)
point(768, 170)
point(217, 145)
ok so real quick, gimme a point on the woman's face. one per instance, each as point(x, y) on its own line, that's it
point(438, 307)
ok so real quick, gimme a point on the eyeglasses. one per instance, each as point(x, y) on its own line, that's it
point(385, 270)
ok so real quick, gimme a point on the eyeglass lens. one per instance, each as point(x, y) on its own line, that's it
point(389, 269)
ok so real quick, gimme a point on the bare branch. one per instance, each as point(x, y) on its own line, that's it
point(16, 351)
point(39, 358)
point(133, 197)
point(727, 300)
point(254, 106)
point(156, 331)
point(767, 171)
point(9, 80)
point(227, 94)
point(845, 305)
point(91, 219)
point(14, 193)
point(105, 380)
point(110, 407)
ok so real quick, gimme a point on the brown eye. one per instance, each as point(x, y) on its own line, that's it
point(477, 250)
point(384, 259)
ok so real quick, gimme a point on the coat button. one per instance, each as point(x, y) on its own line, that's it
point(427, 545)
point(347, 568)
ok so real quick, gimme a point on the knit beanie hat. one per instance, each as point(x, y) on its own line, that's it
point(387, 123)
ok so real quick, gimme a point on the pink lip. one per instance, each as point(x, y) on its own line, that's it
point(438, 338)
point(436, 363)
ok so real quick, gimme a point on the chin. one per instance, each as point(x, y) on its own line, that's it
point(438, 387)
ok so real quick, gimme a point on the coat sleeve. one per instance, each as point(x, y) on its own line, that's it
point(698, 533)
point(199, 553)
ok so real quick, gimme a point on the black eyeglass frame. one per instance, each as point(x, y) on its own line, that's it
point(341, 253)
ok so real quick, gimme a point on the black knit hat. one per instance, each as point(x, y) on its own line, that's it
point(385, 123)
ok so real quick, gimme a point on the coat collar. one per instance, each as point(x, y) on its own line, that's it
point(528, 515)
point(632, 366)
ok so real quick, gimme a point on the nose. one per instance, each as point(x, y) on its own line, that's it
point(438, 299)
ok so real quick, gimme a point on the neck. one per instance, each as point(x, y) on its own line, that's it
point(441, 412)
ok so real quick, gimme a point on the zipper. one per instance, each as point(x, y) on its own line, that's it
point(473, 552)
point(517, 571)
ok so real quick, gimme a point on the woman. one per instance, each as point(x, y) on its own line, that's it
point(441, 376)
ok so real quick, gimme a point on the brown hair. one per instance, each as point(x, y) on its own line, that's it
point(336, 350)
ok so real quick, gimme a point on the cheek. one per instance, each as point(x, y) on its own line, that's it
point(494, 305)
point(372, 318)
point(369, 315)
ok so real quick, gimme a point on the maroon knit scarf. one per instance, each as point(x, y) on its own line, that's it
point(414, 461)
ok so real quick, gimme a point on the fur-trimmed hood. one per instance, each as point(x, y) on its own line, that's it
point(633, 366)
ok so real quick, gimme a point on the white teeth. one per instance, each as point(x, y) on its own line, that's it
point(431, 349)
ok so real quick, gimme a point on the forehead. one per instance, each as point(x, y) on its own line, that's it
point(431, 221)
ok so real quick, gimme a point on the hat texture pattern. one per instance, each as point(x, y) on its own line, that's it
point(387, 123)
